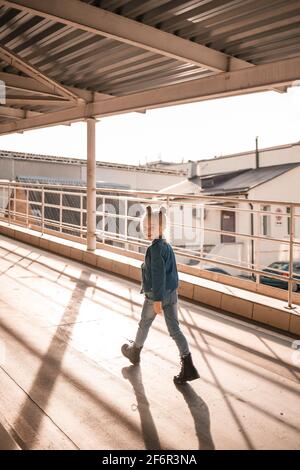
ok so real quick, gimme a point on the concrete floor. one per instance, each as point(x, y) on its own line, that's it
point(65, 385)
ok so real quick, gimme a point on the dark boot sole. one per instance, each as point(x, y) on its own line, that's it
point(188, 379)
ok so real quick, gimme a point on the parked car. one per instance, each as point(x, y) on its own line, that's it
point(281, 268)
point(216, 269)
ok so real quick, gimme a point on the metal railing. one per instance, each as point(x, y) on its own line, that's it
point(254, 228)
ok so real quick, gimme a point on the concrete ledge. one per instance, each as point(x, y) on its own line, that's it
point(207, 296)
point(229, 298)
point(186, 289)
point(270, 316)
point(237, 305)
point(295, 324)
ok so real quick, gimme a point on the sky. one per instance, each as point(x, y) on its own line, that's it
point(186, 132)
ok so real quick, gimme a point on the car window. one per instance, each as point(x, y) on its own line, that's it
point(279, 265)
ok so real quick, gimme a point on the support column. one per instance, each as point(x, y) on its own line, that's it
point(91, 184)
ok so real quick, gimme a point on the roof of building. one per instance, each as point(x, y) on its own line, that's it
point(67, 182)
point(8, 154)
point(186, 186)
point(241, 181)
point(229, 183)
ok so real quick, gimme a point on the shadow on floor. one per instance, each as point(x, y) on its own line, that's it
point(149, 431)
point(30, 417)
point(200, 413)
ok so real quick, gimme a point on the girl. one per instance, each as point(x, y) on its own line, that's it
point(159, 285)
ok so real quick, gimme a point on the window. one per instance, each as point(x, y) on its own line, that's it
point(266, 221)
point(194, 211)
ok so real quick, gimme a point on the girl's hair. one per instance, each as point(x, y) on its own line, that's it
point(154, 222)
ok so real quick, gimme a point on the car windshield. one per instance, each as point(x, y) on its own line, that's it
point(281, 266)
point(284, 266)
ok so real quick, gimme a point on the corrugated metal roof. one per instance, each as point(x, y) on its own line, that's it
point(67, 182)
point(257, 31)
point(231, 182)
point(183, 187)
point(243, 181)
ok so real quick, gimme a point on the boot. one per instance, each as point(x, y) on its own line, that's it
point(132, 352)
point(188, 370)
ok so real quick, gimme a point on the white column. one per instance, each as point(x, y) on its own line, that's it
point(91, 184)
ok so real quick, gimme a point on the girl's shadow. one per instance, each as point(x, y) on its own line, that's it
point(200, 413)
point(149, 432)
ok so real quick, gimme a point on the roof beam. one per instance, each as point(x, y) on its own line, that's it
point(35, 101)
point(21, 64)
point(19, 83)
point(253, 79)
point(25, 84)
point(13, 113)
point(104, 23)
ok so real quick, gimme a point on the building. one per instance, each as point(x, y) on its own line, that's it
point(13, 164)
point(273, 174)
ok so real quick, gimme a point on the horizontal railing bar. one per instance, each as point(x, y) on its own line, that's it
point(121, 216)
point(161, 196)
point(240, 235)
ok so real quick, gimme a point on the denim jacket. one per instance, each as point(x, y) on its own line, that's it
point(159, 270)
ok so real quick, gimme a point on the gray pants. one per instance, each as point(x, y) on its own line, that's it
point(169, 304)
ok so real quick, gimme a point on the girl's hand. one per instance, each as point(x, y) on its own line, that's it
point(157, 307)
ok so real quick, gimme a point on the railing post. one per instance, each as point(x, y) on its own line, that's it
point(9, 202)
point(27, 208)
point(81, 214)
point(291, 256)
point(103, 221)
point(202, 232)
point(14, 203)
point(91, 184)
point(43, 208)
point(126, 223)
point(168, 218)
point(60, 212)
point(257, 248)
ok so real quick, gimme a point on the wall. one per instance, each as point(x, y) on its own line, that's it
point(138, 179)
point(274, 156)
point(284, 188)
point(238, 252)
point(9, 168)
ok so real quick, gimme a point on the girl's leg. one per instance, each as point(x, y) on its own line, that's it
point(171, 319)
point(146, 320)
